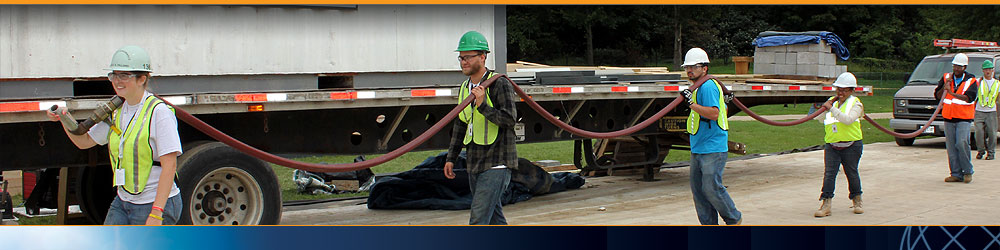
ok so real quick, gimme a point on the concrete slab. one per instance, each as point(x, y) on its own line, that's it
point(763, 57)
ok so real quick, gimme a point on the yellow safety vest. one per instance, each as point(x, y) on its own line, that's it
point(839, 132)
point(131, 150)
point(694, 119)
point(988, 98)
point(480, 130)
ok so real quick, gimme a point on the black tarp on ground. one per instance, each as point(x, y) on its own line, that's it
point(425, 187)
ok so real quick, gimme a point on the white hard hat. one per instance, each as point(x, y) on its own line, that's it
point(961, 59)
point(695, 56)
point(846, 80)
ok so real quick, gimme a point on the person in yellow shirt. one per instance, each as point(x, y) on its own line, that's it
point(842, 123)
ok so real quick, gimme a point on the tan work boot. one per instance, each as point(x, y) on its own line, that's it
point(824, 210)
point(967, 178)
point(857, 205)
point(952, 179)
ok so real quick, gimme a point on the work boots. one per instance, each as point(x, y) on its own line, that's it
point(967, 178)
point(857, 205)
point(824, 210)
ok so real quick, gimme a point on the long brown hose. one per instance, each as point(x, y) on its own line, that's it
point(911, 134)
point(343, 167)
point(346, 167)
point(822, 109)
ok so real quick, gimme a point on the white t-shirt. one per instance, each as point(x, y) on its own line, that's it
point(985, 85)
point(163, 137)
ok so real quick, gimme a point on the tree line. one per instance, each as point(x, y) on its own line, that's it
point(888, 37)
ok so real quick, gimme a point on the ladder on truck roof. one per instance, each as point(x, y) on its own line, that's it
point(956, 43)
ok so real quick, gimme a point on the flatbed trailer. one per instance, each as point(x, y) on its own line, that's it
point(329, 109)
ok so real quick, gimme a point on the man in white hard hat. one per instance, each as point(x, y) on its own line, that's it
point(958, 89)
point(707, 123)
point(842, 123)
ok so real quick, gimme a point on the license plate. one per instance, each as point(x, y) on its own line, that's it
point(930, 129)
point(519, 132)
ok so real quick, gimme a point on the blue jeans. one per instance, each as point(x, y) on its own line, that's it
point(127, 213)
point(959, 152)
point(710, 197)
point(849, 157)
point(487, 189)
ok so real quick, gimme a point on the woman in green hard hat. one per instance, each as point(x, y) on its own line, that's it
point(143, 144)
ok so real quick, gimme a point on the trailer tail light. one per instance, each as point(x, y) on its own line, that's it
point(255, 108)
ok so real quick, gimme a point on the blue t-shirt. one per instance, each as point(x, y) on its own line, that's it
point(710, 138)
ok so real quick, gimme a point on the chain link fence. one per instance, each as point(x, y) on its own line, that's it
point(883, 83)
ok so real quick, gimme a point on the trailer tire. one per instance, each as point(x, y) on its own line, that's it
point(222, 186)
point(95, 192)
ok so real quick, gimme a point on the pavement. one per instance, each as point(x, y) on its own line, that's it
point(901, 185)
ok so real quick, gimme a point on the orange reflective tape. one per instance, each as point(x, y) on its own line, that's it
point(423, 92)
point(19, 106)
point(251, 97)
point(343, 95)
point(562, 90)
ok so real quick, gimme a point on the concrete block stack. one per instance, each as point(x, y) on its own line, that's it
point(800, 59)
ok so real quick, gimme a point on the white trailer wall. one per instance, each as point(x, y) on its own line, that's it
point(78, 41)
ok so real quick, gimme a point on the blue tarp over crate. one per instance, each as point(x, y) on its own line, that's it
point(776, 38)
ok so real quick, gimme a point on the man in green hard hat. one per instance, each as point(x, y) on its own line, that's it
point(986, 113)
point(485, 129)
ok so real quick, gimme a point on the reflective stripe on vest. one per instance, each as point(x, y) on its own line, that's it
point(955, 108)
point(480, 130)
point(988, 98)
point(840, 132)
point(131, 150)
point(694, 119)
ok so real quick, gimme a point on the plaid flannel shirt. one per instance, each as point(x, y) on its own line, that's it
point(503, 151)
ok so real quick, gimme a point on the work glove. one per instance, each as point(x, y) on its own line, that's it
point(729, 97)
point(687, 94)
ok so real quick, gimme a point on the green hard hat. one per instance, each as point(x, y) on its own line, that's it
point(473, 41)
point(130, 58)
point(988, 64)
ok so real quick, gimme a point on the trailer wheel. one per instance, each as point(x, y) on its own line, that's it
point(222, 186)
point(95, 192)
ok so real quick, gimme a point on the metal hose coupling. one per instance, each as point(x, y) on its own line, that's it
point(101, 113)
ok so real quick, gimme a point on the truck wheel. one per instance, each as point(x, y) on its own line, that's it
point(222, 186)
point(905, 142)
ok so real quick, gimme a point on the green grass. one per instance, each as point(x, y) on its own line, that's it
point(44, 220)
